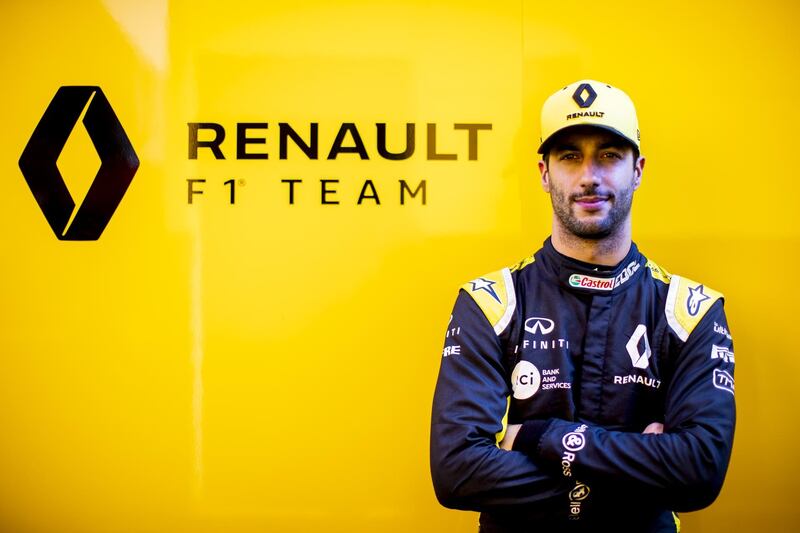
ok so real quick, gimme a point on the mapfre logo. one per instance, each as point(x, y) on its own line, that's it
point(119, 163)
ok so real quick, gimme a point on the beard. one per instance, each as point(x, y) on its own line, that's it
point(596, 228)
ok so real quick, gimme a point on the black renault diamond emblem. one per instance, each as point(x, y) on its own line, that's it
point(580, 99)
point(118, 163)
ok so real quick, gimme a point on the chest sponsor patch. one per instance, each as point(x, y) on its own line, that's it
point(551, 379)
point(542, 344)
point(639, 347)
point(604, 284)
point(525, 380)
point(537, 324)
point(588, 282)
point(641, 380)
point(538, 327)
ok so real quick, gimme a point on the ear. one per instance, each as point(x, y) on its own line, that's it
point(545, 176)
point(638, 169)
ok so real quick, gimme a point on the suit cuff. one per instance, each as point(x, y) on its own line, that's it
point(529, 436)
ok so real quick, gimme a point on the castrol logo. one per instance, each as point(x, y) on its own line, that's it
point(588, 282)
point(604, 284)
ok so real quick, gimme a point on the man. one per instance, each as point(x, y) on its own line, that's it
point(584, 388)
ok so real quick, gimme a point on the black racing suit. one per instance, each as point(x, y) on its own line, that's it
point(585, 358)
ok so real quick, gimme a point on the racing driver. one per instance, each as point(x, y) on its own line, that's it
point(584, 388)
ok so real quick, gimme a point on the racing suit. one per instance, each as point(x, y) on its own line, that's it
point(584, 357)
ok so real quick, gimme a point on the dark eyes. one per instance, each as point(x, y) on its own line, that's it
point(605, 155)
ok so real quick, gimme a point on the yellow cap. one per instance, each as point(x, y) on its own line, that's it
point(593, 103)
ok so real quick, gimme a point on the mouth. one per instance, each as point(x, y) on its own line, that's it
point(593, 202)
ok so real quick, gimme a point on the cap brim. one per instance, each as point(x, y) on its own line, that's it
point(545, 146)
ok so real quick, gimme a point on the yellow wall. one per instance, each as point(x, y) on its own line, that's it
point(267, 366)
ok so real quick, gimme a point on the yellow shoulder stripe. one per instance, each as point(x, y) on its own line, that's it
point(500, 435)
point(687, 303)
point(494, 294)
point(657, 272)
point(522, 264)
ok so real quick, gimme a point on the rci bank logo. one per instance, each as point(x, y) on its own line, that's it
point(118, 163)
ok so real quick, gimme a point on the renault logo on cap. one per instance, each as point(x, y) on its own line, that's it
point(582, 101)
point(118, 163)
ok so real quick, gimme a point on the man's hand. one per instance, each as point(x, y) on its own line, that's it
point(511, 433)
point(655, 427)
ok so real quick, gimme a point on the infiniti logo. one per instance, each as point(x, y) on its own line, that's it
point(538, 324)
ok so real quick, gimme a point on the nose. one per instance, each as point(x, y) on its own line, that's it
point(590, 173)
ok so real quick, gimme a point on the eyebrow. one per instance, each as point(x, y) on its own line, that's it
point(613, 144)
point(567, 147)
point(564, 147)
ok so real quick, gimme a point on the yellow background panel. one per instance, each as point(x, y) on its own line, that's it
point(267, 366)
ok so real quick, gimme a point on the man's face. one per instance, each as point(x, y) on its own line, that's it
point(591, 175)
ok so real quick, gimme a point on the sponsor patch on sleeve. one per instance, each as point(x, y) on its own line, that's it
point(494, 294)
point(687, 303)
point(723, 380)
point(721, 352)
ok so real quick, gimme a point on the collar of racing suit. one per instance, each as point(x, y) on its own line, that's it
point(588, 278)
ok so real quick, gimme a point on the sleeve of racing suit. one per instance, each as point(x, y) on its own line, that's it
point(469, 470)
point(686, 464)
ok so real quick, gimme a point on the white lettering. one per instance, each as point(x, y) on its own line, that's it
point(640, 380)
point(562, 385)
point(451, 350)
point(723, 380)
point(453, 332)
point(544, 344)
point(626, 274)
point(566, 463)
point(720, 352)
point(721, 330)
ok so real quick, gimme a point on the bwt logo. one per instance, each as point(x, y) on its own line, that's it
point(118, 163)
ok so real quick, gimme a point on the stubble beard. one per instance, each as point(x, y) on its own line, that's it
point(592, 229)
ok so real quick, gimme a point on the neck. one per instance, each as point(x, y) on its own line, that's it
point(608, 251)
